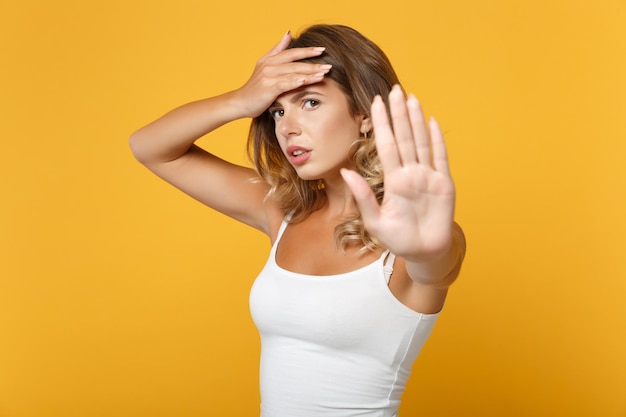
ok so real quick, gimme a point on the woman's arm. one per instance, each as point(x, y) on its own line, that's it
point(166, 146)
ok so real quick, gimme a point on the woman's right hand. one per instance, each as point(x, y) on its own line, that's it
point(276, 73)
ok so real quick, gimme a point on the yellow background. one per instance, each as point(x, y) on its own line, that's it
point(119, 296)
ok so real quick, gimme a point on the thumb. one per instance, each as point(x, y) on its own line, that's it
point(364, 196)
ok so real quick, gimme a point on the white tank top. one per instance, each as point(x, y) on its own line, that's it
point(333, 346)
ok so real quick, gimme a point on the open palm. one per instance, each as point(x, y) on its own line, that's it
point(416, 217)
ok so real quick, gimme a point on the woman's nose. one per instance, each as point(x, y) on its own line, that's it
point(288, 125)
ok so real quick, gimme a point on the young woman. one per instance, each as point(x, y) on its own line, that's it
point(360, 264)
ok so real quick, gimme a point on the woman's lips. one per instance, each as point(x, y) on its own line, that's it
point(298, 155)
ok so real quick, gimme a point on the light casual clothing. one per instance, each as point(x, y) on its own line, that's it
point(333, 346)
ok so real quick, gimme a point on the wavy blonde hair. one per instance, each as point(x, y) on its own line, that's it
point(362, 70)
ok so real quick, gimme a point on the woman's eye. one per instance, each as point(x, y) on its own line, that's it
point(311, 103)
point(277, 113)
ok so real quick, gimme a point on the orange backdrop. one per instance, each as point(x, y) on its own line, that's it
point(119, 296)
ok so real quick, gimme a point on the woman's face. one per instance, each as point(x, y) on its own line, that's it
point(316, 130)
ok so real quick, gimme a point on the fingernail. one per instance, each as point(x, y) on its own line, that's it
point(326, 67)
point(319, 49)
point(413, 99)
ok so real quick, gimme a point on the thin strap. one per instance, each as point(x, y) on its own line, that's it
point(388, 267)
point(283, 226)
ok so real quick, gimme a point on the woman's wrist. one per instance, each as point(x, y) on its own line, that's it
point(440, 268)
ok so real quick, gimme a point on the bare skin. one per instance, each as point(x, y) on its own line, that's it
point(415, 220)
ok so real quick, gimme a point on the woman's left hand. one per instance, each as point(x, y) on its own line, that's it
point(416, 217)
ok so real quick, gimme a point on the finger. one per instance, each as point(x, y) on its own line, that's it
point(282, 45)
point(296, 68)
point(385, 142)
point(420, 133)
point(364, 197)
point(402, 129)
point(294, 54)
point(293, 81)
point(440, 153)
